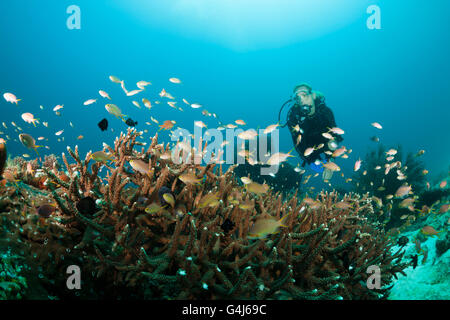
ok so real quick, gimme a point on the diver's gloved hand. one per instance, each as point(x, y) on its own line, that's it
point(332, 145)
point(316, 166)
point(327, 173)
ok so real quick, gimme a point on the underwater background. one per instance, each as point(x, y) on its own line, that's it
point(241, 60)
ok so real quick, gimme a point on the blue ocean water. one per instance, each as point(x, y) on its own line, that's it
point(238, 60)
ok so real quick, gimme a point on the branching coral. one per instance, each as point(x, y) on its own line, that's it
point(182, 252)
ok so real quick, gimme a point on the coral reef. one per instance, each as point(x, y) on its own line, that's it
point(430, 197)
point(3, 157)
point(443, 245)
point(12, 283)
point(134, 246)
point(431, 272)
point(428, 276)
point(431, 280)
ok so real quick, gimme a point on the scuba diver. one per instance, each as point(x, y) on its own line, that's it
point(309, 118)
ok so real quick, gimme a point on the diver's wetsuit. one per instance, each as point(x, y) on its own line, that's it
point(313, 127)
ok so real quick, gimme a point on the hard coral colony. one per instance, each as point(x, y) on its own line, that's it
point(185, 249)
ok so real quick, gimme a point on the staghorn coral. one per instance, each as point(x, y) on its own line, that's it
point(50, 162)
point(182, 252)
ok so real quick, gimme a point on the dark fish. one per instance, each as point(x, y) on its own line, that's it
point(227, 225)
point(375, 139)
point(142, 201)
point(346, 261)
point(164, 190)
point(86, 206)
point(414, 261)
point(402, 241)
point(45, 210)
point(130, 122)
point(103, 125)
point(341, 233)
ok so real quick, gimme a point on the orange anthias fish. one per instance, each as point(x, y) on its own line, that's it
point(29, 118)
point(265, 227)
point(391, 152)
point(90, 101)
point(104, 94)
point(147, 103)
point(298, 140)
point(313, 204)
point(257, 188)
point(278, 157)
point(167, 125)
point(9, 97)
point(200, 124)
point(175, 80)
point(249, 134)
point(406, 202)
point(338, 152)
point(403, 191)
point(430, 231)
point(190, 178)
point(331, 166)
point(246, 180)
point(343, 205)
point(443, 209)
point(377, 201)
point(357, 165)
point(247, 205)
point(209, 200)
point(140, 166)
point(270, 128)
point(421, 152)
point(424, 211)
point(337, 131)
point(376, 125)
point(308, 151)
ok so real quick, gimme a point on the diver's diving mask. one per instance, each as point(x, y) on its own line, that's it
point(304, 108)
